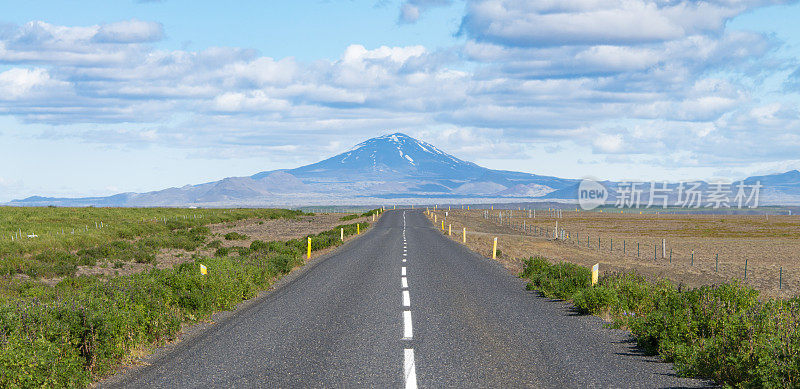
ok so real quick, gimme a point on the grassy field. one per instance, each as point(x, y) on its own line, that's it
point(689, 248)
point(62, 330)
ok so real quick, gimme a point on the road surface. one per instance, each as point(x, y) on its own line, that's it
point(403, 306)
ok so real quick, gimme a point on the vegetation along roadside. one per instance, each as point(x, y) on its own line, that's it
point(82, 328)
point(722, 332)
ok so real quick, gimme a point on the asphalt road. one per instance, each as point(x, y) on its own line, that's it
point(403, 306)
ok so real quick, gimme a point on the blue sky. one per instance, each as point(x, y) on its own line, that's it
point(97, 99)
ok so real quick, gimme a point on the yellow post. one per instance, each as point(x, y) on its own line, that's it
point(434, 218)
point(448, 207)
point(358, 228)
point(595, 270)
point(492, 207)
point(494, 249)
point(449, 230)
point(464, 235)
point(442, 224)
point(308, 256)
point(373, 217)
point(467, 207)
point(203, 269)
point(341, 233)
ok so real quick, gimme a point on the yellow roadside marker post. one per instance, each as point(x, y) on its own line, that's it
point(442, 224)
point(308, 256)
point(358, 228)
point(203, 269)
point(494, 249)
point(434, 218)
point(464, 235)
point(341, 233)
point(373, 217)
point(449, 230)
point(595, 270)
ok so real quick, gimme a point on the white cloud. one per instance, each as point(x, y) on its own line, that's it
point(21, 83)
point(676, 86)
point(607, 143)
point(129, 31)
point(411, 10)
point(596, 22)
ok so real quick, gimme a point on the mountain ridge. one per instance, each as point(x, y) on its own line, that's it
point(392, 166)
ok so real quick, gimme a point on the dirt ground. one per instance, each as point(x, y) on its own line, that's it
point(633, 241)
point(255, 229)
point(279, 229)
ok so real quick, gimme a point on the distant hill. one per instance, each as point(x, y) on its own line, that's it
point(388, 167)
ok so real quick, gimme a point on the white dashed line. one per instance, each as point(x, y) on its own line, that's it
point(403, 271)
point(404, 282)
point(406, 299)
point(409, 372)
point(408, 332)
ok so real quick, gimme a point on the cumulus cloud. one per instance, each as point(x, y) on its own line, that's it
point(21, 83)
point(596, 82)
point(130, 31)
point(410, 10)
point(594, 22)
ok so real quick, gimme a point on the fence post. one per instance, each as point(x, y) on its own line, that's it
point(716, 262)
point(745, 268)
point(780, 277)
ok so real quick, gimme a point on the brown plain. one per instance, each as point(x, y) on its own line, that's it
point(767, 243)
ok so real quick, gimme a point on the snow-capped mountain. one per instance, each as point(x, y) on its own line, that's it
point(394, 166)
point(389, 166)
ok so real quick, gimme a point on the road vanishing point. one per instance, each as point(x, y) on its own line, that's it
point(403, 306)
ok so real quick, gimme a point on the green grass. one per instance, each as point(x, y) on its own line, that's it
point(84, 327)
point(69, 237)
point(356, 216)
point(724, 332)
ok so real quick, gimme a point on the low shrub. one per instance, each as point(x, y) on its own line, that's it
point(723, 332)
point(235, 236)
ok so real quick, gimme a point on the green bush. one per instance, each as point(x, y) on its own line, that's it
point(235, 236)
point(82, 328)
point(722, 332)
point(214, 244)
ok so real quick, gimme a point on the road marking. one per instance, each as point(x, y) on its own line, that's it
point(406, 299)
point(409, 372)
point(403, 271)
point(408, 332)
point(404, 282)
point(404, 259)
